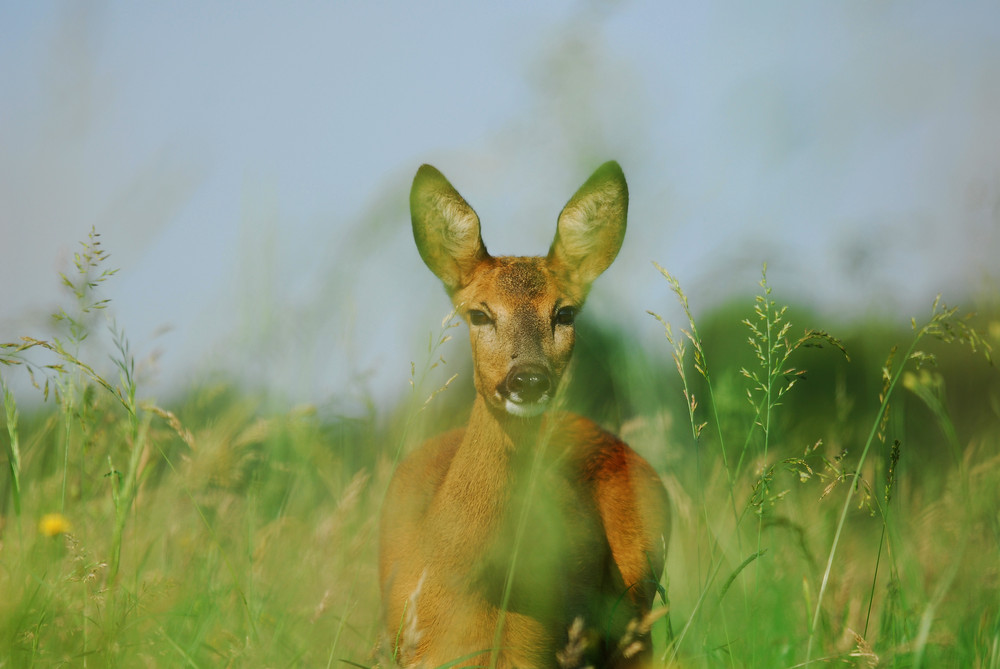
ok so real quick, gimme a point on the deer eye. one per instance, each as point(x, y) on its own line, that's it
point(566, 315)
point(477, 317)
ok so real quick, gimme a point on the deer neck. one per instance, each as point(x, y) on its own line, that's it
point(486, 478)
point(497, 448)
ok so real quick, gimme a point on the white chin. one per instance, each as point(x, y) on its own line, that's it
point(527, 410)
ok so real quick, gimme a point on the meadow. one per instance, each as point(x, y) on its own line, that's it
point(835, 494)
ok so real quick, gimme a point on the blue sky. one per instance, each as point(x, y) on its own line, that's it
point(248, 164)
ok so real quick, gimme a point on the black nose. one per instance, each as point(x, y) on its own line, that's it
point(527, 383)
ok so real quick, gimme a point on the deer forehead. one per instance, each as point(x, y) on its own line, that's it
point(526, 278)
point(515, 283)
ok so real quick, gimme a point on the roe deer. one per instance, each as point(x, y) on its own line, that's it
point(527, 533)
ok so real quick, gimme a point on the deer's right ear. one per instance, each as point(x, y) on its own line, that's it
point(445, 228)
point(592, 225)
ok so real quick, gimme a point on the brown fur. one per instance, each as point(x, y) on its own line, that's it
point(496, 537)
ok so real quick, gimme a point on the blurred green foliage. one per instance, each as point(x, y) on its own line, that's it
point(250, 535)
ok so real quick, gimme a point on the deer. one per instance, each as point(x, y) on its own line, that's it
point(531, 537)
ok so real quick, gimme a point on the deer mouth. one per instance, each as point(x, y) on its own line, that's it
point(525, 409)
point(526, 392)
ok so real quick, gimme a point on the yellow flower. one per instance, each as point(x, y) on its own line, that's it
point(52, 524)
point(994, 330)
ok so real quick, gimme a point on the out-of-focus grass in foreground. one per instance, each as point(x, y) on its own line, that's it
point(829, 508)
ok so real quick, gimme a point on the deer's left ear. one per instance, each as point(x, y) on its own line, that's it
point(592, 225)
point(445, 228)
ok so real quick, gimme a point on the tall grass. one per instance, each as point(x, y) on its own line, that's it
point(847, 516)
point(785, 624)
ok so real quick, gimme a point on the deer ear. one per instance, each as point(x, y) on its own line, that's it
point(592, 225)
point(445, 228)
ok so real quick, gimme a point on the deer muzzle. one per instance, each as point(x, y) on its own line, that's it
point(526, 390)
